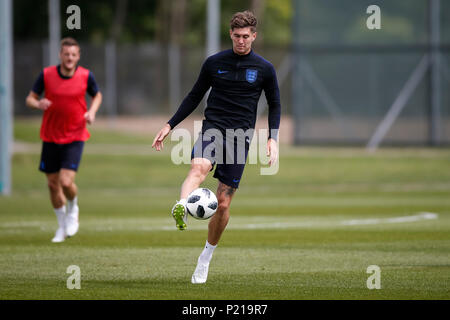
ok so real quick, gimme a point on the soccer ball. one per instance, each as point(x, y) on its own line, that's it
point(201, 203)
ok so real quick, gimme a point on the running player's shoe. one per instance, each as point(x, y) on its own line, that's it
point(180, 216)
point(60, 235)
point(200, 274)
point(71, 221)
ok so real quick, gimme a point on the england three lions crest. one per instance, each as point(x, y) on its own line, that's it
point(251, 75)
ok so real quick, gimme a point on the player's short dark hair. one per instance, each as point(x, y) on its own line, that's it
point(243, 20)
point(69, 42)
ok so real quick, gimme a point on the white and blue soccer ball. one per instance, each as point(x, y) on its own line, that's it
point(202, 203)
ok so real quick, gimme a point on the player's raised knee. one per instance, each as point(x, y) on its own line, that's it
point(200, 170)
point(53, 185)
point(66, 182)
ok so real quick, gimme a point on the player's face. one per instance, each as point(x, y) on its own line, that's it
point(69, 55)
point(242, 40)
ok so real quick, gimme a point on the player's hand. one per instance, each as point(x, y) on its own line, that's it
point(44, 104)
point(158, 143)
point(90, 117)
point(272, 151)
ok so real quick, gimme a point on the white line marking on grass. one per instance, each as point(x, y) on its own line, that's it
point(417, 217)
point(236, 223)
point(292, 224)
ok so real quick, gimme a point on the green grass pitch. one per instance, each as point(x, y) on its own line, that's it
point(308, 232)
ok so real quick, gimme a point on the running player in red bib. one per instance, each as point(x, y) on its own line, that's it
point(63, 130)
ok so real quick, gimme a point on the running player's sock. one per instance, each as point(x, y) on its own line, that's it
point(72, 203)
point(60, 215)
point(72, 224)
point(183, 202)
point(206, 255)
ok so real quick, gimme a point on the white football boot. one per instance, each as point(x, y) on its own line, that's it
point(71, 223)
point(200, 274)
point(60, 235)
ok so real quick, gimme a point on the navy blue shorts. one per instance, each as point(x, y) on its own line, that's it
point(229, 156)
point(55, 157)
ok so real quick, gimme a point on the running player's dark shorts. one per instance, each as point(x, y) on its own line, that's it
point(55, 157)
point(228, 155)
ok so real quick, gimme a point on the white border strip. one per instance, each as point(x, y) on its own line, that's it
point(417, 217)
point(240, 223)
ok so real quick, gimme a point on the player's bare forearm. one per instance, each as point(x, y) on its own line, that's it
point(96, 102)
point(272, 151)
point(95, 105)
point(158, 143)
point(34, 102)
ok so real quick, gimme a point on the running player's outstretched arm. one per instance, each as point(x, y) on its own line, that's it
point(188, 105)
point(94, 92)
point(34, 102)
point(272, 93)
point(33, 99)
point(95, 104)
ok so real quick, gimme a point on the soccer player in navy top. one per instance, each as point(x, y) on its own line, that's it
point(236, 78)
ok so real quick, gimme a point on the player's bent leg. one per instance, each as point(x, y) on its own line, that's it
point(67, 180)
point(220, 219)
point(57, 197)
point(197, 174)
point(216, 227)
point(58, 202)
point(200, 167)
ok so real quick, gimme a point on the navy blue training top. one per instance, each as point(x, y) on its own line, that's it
point(39, 87)
point(237, 82)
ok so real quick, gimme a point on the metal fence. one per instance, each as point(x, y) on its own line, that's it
point(355, 85)
point(340, 82)
point(140, 84)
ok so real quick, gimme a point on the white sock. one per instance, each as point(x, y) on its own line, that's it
point(60, 215)
point(72, 202)
point(183, 202)
point(206, 255)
